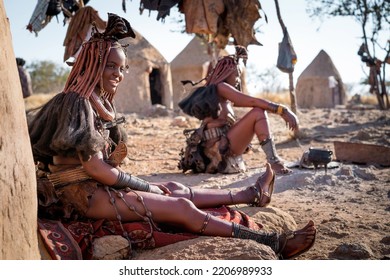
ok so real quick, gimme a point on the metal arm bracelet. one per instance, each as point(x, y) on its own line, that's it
point(126, 180)
point(277, 108)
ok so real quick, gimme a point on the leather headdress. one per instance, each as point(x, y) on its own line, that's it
point(117, 28)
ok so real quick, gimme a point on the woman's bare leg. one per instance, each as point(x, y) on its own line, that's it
point(255, 122)
point(183, 213)
point(203, 198)
point(176, 211)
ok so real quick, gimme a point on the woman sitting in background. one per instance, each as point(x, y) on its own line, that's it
point(225, 138)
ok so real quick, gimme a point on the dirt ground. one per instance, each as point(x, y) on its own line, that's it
point(350, 204)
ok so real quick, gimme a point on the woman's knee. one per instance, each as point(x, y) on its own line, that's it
point(172, 185)
point(258, 113)
point(188, 215)
point(179, 190)
point(184, 205)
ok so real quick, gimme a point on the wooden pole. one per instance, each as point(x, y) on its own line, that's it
point(291, 78)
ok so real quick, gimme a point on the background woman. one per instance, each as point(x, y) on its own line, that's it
point(225, 137)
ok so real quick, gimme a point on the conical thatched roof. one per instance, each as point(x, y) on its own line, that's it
point(140, 49)
point(321, 66)
point(194, 54)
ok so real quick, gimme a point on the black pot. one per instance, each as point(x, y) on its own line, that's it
point(319, 156)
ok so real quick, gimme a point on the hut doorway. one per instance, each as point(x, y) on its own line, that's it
point(156, 90)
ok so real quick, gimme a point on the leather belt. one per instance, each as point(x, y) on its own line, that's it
point(214, 132)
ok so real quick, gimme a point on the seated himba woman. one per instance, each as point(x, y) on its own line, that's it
point(226, 138)
point(73, 138)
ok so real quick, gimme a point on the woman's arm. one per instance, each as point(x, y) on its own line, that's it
point(108, 175)
point(99, 170)
point(239, 99)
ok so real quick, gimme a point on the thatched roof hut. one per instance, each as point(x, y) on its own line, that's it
point(320, 84)
point(147, 81)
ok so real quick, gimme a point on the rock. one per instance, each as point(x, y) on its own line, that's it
point(362, 135)
point(386, 257)
point(365, 174)
point(273, 219)
point(352, 251)
point(110, 247)
point(115, 247)
point(180, 121)
point(345, 171)
point(210, 248)
point(386, 240)
point(158, 110)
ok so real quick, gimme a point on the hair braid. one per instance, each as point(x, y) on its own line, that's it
point(82, 83)
point(87, 70)
point(223, 69)
point(226, 66)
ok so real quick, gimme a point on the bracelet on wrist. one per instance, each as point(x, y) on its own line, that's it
point(274, 107)
point(281, 110)
point(126, 180)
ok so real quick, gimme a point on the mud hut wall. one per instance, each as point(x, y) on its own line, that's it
point(342, 91)
point(133, 94)
point(314, 92)
point(166, 78)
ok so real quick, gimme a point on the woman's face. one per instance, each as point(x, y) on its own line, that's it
point(114, 70)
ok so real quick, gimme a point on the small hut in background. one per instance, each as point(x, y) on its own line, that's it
point(147, 81)
point(193, 63)
point(320, 84)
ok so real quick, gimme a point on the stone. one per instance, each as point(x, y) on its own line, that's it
point(111, 247)
point(210, 248)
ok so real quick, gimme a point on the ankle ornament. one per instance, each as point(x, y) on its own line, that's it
point(269, 149)
point(205, 223)
point(269, 239)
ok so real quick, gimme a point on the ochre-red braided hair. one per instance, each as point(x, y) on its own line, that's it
point(223, 69)
point(88, 68)
point(226, 66)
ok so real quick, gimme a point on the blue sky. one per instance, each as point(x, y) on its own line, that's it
point(339, 37)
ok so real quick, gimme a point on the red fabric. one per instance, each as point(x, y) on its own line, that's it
point(74, 240)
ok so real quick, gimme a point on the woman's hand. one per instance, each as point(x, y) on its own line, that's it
point(290, 118)
point(159, 189)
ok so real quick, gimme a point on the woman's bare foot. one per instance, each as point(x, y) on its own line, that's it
point(263, 188)
point(280, 168)
point(298, 242)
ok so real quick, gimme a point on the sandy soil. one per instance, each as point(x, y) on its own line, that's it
point(350, 204)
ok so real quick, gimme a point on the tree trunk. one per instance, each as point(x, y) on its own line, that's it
point(292, 93)
point(18, 218)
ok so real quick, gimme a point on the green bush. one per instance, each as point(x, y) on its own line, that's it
point(47, 76)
